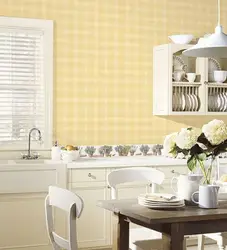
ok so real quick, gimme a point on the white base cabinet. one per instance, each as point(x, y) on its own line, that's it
point(95, 225)
point(22, 193)
point(23, 190)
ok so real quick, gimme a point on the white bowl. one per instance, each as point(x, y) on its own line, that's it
point(69, 156)
point(181, 39)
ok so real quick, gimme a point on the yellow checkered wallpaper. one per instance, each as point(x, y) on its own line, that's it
point(103, 63)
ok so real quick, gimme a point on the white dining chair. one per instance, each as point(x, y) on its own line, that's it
point(220, 238)
point(72, 204)
point(140, 238)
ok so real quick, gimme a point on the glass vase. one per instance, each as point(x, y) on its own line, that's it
point(210, 171)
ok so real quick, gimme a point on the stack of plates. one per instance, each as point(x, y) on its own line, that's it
point(217, 102)
point(185, 102)
point(160, 201)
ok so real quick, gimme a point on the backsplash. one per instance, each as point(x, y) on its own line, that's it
point(120, 150)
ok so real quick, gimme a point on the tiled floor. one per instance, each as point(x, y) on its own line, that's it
point(207, 247)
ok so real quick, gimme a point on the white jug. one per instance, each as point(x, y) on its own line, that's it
point(186, 185)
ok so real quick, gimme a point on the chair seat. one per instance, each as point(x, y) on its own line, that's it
point(216, 236)
point(145, 239)
point(139, 234)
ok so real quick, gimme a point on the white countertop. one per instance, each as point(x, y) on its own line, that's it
point(133, 161)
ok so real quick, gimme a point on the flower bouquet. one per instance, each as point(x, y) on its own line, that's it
point(199, 146)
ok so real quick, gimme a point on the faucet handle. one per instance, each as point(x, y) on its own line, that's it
point(35, 155)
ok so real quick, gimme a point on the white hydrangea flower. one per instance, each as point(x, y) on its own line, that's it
point(215, 131)
point(168, 144)
point(187, 137)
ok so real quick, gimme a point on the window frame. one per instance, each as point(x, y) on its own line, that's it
point(46, 26)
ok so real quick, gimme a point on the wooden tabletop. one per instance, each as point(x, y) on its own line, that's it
point(131, 208)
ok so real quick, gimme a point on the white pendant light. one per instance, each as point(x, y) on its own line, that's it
point(214, 45)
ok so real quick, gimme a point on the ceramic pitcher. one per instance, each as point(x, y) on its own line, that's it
point(186, 185)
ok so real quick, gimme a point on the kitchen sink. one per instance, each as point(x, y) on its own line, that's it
point(36, 161)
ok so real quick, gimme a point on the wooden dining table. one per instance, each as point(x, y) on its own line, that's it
point(175, 224)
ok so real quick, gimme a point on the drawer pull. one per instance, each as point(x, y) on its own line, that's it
point(91, 176)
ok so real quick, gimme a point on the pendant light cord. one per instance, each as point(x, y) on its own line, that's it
point(219, 13)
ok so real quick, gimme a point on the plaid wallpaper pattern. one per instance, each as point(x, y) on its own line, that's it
point(103, 63)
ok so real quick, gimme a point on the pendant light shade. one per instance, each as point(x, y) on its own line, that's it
point(214, 45)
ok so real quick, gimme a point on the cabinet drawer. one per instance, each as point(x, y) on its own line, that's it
point(87, 175)
point(173, 171)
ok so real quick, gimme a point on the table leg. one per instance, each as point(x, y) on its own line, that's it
point(120, 233)
point(177, 236)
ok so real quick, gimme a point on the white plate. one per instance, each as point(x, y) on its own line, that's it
point(160, 200)
point(194, 102)
point(212, 103)
point(212, 65)
point(161, 207)
point(174, 102)
point(219, 102)
point(187, 103)
point(182, 96)
point(160, 197)
point(178, 64)
point(225, 97)
point(223, 102)
point(178, 102)
point(190, 102)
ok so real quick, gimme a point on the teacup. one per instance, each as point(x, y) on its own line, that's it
point(220, 75)
point(190, 77)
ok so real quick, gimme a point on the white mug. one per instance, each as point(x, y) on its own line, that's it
point(191, 77)
point(186, 185)
point(208, 196)
point(220, 75)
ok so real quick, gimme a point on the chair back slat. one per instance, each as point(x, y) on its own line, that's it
point(73, 205)
point(64, 199)
point(139, 174)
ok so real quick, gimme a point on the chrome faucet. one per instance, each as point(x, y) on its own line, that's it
point(29, 156)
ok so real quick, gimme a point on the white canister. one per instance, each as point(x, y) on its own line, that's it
point(56, 153)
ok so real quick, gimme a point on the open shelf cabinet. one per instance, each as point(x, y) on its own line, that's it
point(171, 97)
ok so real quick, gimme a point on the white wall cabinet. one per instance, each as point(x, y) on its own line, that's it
point(202, 97)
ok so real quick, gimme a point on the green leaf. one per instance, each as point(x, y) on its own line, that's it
point(191, 163)
point(174, 152)
point(202, 157)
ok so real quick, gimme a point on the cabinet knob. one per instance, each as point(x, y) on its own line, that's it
point(108, 186)
point(91, 176)
point(172, 171)
point(205, 82)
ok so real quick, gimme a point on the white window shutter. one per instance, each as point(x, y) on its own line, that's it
point(23, 85)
